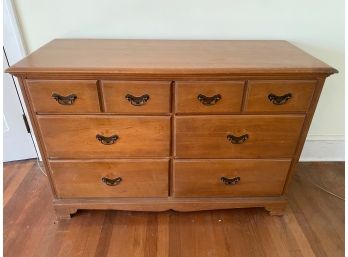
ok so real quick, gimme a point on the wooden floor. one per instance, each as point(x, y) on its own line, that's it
point(313, 224)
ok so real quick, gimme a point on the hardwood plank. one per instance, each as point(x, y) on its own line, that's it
point(320, 214)
point(14, 178)
point(130, 235)
point(103, 245)
point(75, 236)
point(313, 224)
point(27, 213)
point(163, 234)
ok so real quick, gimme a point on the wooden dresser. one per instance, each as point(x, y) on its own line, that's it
point(153, 125)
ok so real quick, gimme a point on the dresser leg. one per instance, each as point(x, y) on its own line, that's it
point(64, 213)
point(276, 209)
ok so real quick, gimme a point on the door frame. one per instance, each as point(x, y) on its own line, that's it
point(15, 51)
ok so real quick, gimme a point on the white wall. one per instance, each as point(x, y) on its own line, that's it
point(316, 26)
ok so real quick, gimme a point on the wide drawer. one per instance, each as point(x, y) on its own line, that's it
point(110, 178)
point(280, 95)
point(93, 136)
point(209, 97)
point(63, 96)
point(136, 96)
point(206, 178)
point(237, 136)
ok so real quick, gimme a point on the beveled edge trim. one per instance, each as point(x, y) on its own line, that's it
point(55, 74)
point(170, 203)
point(170, 71)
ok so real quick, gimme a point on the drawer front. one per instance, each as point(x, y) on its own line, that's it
point(209, 97)
point(92, 136)
point(280, 95)
point(237, 136)
point(229, 177)
point(137, 97)
point(110, 178)
point(63, 96)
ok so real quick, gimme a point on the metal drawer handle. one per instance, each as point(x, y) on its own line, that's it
point(230, 181)
point(64, 100)
point(279, 100)
point(209, 100)
point(107, 140)
point(138, 100)
point(237, 140)
point(112, 181)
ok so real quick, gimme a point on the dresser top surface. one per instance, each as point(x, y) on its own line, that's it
point(108, 56)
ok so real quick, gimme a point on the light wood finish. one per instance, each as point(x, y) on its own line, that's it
point(75, 136)
point(166, 132)
point(206, 137)
point(203, 177)
point(187, 93)
point(175, 204)
point(305, 129)
point(40, 92)
point(172, 57)
point(64, 213)
point(313, 223)
point(140, 178)
point(114, 94)
point(259, 90)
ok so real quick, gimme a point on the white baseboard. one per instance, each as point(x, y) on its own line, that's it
point(323, 148)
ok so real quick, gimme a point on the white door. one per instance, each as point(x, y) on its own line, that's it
point(18, 143)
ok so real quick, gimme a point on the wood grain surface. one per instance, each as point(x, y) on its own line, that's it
point(74, 136)
point(197, 178)
point(40, 93)
point(258, 92)
point(114, 93)
point(230, 92)
point(103, 56)
point(206, 136)
point(139, 178)
point(313, 224)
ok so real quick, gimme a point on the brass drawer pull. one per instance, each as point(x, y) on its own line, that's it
point(279, 100)
point(209, 100)
point(237, 140)
point(64, 100)
point(230, 181)
point(107, 140)
point(138, 100)
point(112, 181)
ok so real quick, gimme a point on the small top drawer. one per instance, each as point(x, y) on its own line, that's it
point(280, 95)
point(64, 96)
point(209, 97)
point(136, 96)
